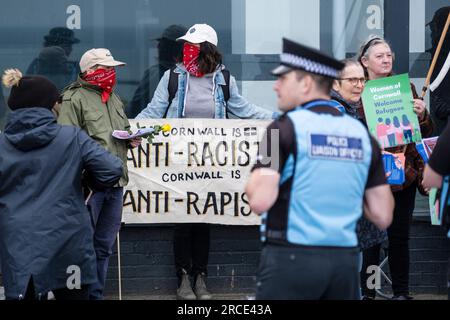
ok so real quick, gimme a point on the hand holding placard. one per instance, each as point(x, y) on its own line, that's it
point(146, 133)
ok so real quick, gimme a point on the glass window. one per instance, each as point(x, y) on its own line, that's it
point(48, 37)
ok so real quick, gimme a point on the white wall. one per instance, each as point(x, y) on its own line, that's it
point(264, 22)
point(260, 93)
point(417, 25)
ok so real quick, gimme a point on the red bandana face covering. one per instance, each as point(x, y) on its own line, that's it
point(190, 59)
point(105, 79)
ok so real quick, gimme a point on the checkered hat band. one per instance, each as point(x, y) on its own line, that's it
point(308, 65)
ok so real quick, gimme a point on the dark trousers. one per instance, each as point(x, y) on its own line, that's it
point(308, 273)
point(60, 294)
point(106, 212)
point(398, 235)
point(448, 277)
point(191, 248)
point(371, 257)
point(74, 294)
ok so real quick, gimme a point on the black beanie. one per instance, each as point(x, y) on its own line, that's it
point(33, 91)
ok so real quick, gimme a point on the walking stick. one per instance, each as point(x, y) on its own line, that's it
point(118, 264)
point(436, 55)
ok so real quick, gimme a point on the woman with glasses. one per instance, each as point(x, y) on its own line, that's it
point(377, 59)
point(347, 91)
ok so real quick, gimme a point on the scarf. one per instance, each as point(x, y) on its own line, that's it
point(190, 59)
point(353, 109)
point(104, 79)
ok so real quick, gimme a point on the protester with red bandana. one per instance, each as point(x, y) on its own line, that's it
point(201, 93)
point(91, 104)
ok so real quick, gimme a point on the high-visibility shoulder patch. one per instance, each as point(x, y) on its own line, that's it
point(331, 147)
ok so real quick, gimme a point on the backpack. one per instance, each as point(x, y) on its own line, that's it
point(172, 87)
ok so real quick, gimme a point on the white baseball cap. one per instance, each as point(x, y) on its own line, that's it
point(199, 33)
point(99, 56)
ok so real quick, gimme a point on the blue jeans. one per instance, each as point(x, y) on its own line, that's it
point(106, 212)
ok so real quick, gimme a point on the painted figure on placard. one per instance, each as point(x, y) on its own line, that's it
point(390, 132)
point(407, 129)
point(382, 133)
point(398, 130)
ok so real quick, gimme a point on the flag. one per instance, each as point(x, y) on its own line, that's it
point(440, 77)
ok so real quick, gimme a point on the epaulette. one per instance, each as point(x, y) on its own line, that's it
point(69, 91)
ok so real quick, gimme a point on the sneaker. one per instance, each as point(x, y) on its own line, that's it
point(184, 292)
point(200, 288)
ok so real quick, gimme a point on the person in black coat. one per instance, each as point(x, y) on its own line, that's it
point(436, 174)
point(440, 97)
point(46, 236)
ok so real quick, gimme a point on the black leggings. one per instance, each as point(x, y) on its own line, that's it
point(371, 257)
point(398, 235)
point(191, 248)
point(74, 294)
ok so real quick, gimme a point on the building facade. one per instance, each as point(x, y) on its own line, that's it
point(250, 33)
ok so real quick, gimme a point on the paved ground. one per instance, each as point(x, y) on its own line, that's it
point(173, 297)
point(246, 297)
point(227, 297)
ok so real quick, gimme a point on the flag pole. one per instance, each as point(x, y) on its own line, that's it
point(436, 55)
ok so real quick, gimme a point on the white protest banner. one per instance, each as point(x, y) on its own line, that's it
point(197, 172)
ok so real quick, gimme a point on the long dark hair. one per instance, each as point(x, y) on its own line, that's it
point(209, 58)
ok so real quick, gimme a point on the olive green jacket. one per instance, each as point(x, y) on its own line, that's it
point(82, 107)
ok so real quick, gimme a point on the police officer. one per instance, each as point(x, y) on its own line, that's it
point(313, 182)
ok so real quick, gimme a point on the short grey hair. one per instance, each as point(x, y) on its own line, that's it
point(364, 50)
point(372, 41)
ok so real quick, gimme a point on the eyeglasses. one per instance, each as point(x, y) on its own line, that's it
point(354, 81)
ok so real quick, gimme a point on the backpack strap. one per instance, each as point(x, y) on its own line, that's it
point(226, 87)
point(172, 88)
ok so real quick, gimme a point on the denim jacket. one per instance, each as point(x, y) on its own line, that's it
point(236, 105)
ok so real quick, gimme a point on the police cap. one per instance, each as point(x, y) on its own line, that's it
point(299, 57)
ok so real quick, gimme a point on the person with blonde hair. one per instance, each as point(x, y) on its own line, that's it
point(377, 58)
